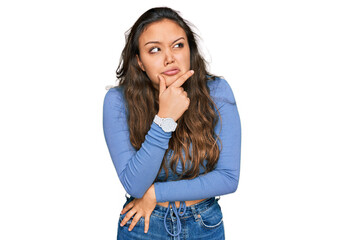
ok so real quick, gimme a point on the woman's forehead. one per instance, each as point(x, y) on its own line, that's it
point(164, 31)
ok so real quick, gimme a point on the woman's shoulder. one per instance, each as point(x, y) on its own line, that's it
point(114, 97)
point(114, 92)
point(220, 90)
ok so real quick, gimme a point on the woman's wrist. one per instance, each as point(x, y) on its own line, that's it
point(151, 194)
point(165, 115)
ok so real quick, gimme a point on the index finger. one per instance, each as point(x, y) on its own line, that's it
point(182, 79)
point(127, 207)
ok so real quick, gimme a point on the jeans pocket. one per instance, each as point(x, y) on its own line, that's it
point(212, 217)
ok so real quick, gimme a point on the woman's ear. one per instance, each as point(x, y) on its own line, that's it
point(140, 63)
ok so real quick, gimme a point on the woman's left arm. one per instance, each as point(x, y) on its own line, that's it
point(224, 178)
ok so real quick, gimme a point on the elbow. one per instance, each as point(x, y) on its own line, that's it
point(232, 185)
point(229, 182)
point(133, 191)
point(135, 194)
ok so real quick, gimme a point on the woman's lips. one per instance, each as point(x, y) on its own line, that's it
point(171, 72)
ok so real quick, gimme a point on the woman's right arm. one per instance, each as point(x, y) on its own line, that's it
point(136, 169)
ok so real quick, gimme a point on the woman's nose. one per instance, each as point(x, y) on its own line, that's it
point(169, 58)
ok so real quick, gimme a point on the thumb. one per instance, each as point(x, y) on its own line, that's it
point(162, 85)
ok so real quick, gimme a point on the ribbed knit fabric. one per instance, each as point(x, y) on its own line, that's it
point(138, 169)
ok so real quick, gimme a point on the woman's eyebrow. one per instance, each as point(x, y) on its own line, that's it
point(159, 42)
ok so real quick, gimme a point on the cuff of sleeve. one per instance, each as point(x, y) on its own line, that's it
point(158, 137)
point(158, 192)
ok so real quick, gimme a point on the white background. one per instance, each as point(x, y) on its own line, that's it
point(294, 67)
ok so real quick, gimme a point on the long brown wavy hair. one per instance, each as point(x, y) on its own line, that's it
point(195, 126)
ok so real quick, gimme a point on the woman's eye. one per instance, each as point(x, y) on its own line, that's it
point(154, 50)
point(179, 45)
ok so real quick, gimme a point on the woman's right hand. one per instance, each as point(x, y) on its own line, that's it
point(173, 100)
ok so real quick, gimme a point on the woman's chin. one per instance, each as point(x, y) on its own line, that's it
point(171, 79)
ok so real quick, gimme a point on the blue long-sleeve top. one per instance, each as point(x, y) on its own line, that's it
point(137, 170)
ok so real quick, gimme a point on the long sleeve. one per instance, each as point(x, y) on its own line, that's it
point(225, 177)
point(136, 169)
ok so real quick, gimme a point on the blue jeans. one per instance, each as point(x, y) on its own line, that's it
point(203, 220)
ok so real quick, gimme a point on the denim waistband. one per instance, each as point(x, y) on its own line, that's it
point(180, 213)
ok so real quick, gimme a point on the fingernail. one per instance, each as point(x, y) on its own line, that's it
point(192, 71)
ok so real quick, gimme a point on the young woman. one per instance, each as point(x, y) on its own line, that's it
point(173, 132)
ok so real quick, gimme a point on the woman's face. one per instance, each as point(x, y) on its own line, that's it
point(164, 50)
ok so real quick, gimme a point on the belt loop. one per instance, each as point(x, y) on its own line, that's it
point(194, 212)
point(217, 198)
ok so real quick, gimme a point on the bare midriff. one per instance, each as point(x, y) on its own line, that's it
point(177, 203)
